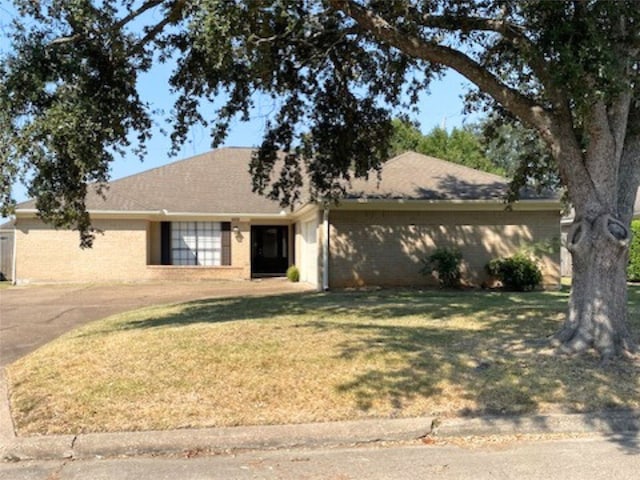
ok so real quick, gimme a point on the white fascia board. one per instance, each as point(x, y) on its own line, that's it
point(444, 205)
point(159, 215)
point(136, 214)
point(307, 211)
point(243, 216)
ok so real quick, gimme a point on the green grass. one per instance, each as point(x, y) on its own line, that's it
point(314, 357)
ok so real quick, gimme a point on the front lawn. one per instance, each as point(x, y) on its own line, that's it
point(314, 357)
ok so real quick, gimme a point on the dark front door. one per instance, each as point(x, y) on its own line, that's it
point(269, 250)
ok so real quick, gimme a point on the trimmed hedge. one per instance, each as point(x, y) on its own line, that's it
point(446, 263)
point(518, 273)
point(633, 270)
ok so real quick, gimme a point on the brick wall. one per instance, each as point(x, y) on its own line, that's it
point(129, 250)
point(48, 255)
point(385, 248)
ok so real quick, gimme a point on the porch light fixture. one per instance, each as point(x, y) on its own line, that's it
point(236, 231)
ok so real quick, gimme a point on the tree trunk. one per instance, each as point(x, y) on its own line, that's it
point(597, 314)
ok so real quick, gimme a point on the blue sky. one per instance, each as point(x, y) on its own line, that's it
point(442, 106)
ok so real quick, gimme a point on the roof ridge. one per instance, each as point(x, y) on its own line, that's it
point(399, 156)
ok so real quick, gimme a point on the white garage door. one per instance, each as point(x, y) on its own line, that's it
point(309, 252)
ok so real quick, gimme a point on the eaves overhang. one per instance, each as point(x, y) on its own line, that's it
point(168, 215)
point(446, 205)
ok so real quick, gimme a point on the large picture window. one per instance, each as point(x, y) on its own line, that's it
point(196, 243)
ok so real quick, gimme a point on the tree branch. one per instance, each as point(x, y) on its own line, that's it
point(515, 35)
point(601, 144)
point(151, 34)
point(470, 24)
point(554, 127)
point(136, 13)
point(519, 105)
point(116, 26)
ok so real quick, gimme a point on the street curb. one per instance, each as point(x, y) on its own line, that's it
point(604, 423)
point(315, 435)
point(7, 432)
point(181, 442)
point(311, 435)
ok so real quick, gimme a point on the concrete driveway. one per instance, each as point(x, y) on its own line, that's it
point(31, 316)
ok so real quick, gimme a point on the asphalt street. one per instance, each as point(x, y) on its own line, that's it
point(596, 458)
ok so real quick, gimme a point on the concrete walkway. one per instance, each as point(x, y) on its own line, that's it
point(33, 315)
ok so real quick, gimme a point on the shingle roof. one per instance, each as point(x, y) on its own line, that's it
point(218, 182)
point(413, 176)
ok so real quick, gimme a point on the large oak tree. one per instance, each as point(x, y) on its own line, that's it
point(337, 71)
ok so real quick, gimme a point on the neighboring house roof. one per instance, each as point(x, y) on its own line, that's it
point(219, 182)
point(8, 225)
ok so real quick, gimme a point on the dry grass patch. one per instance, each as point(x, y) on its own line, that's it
point(313, 357)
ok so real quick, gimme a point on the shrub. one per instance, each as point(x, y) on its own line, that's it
point(633, 271)
point(446, 263)
point(518, 272)
point(293, 274)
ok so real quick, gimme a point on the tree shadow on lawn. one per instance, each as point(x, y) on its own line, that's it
point(383, 304)
point(217, 310)
point(501, 364)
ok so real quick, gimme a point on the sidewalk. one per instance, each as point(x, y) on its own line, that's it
point(334, 434)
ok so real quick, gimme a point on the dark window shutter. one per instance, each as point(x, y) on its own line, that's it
point(226, 243)
point(165, 243)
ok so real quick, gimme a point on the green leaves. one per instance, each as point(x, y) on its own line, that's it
point(462, 145)
point(332, 90)
point(69, 93)
point(337, 73)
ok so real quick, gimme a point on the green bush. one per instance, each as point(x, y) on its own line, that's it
point(293, 274)
point(518, 272)
point(633, 270)
point(446, 263)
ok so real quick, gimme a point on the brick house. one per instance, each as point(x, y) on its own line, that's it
point(198, 219)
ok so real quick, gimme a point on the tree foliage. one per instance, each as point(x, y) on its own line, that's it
point(462, 145)
point(336, 70)
point(633, 271)
point(520, 154)
point(497, 144)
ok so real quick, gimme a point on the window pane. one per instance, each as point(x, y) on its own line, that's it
point(196, 243)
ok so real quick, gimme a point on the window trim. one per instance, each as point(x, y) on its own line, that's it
point(224, 250)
